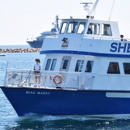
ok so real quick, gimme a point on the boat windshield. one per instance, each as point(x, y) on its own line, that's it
point(73, 27)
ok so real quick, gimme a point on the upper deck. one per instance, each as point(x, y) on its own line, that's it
point(89, 28)
point(87, 36)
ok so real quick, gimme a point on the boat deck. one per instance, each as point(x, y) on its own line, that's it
point(48, 80)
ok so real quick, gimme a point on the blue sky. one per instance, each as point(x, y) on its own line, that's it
point(24, 19)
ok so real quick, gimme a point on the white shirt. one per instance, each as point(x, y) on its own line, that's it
point(37, 67)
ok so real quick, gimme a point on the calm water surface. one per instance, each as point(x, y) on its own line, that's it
point(10, 121)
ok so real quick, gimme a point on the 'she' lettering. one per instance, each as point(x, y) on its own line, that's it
point(114, 47)
point(122, 47)
point(128, 48)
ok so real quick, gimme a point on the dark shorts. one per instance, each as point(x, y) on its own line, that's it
point(37, 72)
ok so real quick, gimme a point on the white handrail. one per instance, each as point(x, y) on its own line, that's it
point(73, 80)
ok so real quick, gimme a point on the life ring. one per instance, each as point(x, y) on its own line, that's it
point(60, 79)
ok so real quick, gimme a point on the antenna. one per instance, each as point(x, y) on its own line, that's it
point(111, 10)
point(87, 8)
point(56, 24)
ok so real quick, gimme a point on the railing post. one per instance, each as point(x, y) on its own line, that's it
point(12, 78)
point(78, 80)
point(65, 81)
point(21, 79)
point(45, 79)
point(6, 75)
point(6, 80)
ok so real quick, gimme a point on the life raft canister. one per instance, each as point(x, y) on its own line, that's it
point(58, 81)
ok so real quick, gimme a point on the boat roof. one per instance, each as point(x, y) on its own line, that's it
point(83, 19)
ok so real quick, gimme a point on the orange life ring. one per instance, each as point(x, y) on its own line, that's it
point(60, 79)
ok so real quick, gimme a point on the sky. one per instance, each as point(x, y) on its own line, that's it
point(22, 19)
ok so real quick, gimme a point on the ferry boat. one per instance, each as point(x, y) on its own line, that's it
point(37, 43)
point(86, 71)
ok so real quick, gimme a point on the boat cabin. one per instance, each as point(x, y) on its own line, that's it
point(90, 28)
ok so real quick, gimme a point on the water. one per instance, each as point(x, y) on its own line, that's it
point(10, 121)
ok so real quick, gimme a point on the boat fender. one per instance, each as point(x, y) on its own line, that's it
point(60, 79)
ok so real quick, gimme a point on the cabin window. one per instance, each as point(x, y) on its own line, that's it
point(81, 28)
point(48, 64)
point(126, 68)
point(89, 66)
point(72, 27)
point(79, 65)
point(53, 64)
point(106, 30)
point(94, 28)
point(113, 68)
point(65, 64)
point(63, 28)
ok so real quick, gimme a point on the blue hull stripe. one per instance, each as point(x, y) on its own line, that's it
point(85, 53)
point(65, 102)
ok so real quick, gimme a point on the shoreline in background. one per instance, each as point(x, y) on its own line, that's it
point(20, 50)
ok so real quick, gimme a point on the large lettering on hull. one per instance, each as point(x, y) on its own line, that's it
point(120, 47)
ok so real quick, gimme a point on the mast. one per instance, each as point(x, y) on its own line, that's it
point(56, 22)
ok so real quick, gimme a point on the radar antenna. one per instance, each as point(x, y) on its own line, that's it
point(87, 8)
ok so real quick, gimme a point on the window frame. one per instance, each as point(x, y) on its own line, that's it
point(78, 68)
point(79, 26)
point(64, 28)
point(98, 30)
point(127, 68)
point(47, 67)
point(65, 65)
point(74, 27)
point(53, 64)
point(91, 66)
point(112, 66)
point(102, 30)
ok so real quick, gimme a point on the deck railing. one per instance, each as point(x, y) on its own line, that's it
point(27, 78)
point(107, 38)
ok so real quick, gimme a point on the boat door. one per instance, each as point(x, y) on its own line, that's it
point(65, 63)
